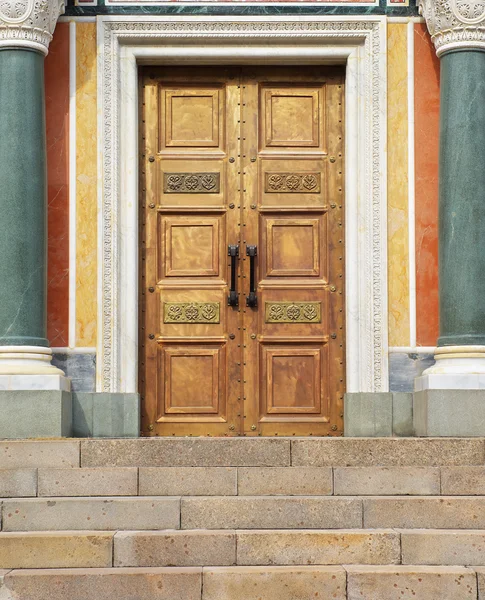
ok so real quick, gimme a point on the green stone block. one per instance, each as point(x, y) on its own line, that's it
point(82, 414)
point(402, 414)
point(449, 413)
point(35, 414)
point(116, 415)
point(368, 415)
point(106, 415)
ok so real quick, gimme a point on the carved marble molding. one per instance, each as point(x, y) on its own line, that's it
point(455, 24)
point(357, 42)
point(29, 23)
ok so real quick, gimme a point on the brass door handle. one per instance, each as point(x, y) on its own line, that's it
point(251, 298)
point(233, 298)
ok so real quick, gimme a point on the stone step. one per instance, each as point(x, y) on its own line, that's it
point(242, 452)
point(242, 481)
point(76, 549)
point(445, 512)
point(442, 547)
point(88, 549)
point(412, 583)
point(58, 514)
point(243, 512)
point(278, 452)
point(49, 453)
point(108, 584)
point(274, 547)
point(270, 512)
point(56, 549)
point(356, 582)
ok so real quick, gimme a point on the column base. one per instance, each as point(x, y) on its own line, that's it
point(35, 414)
point(449, 413)
point(30, 368)
point(456, 368)
point(53, 413)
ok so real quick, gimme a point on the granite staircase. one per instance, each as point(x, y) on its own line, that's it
point(259, 519)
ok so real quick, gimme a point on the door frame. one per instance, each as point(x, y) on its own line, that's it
point(357, 42)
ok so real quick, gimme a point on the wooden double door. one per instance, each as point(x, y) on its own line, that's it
point(242, 251)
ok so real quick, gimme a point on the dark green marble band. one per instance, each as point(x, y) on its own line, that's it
point(462, 199)
point(23, 193)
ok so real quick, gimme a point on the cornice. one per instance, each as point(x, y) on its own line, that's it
point(29, 23)
point(455, 24)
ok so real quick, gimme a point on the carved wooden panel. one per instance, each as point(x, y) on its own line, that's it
point(192, 117)
point(293, 312)
point(292, 377)
point(191, 312)
point(293, 246)
point(292, 117)
point(191, 246)
point(191, 183)
point(177, 190)
point(192, 380)
point(292, 183)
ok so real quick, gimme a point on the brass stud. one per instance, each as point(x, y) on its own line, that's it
point(332, 159)
point(152, 336)
point(232, 159)
point(151, 159)
point(334, 428)
point(253, 427)
point(333, 336)
point(333, 288)
point(152, 205)
point(232, 427)
point(151, 289)
point(253, 159)
point(333, 206)
point(253, 336)
point(231, 205)
point(253, 206)
point(151, 427)
point(232, 336)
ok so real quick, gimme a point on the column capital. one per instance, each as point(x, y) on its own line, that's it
point(455, 24)
point(28, 23)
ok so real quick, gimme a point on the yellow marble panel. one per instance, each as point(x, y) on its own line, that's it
point(86, 184)
point(397, 185)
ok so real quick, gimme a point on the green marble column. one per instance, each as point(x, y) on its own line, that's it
point(23, 199)
point(462, 199)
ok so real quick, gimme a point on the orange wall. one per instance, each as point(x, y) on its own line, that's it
point(426, 69)
point(57, 117)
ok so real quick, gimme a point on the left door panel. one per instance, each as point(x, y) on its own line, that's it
point(190, 347)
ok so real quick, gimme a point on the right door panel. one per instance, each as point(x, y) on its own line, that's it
point(292, 162)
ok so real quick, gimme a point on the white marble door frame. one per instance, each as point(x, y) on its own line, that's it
point(360, 44)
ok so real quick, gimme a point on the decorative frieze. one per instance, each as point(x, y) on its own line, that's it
point(191, 312)
point(293, 312)
point(191, 183)
point(29, 23)
point(455, 24)
point(301, 183)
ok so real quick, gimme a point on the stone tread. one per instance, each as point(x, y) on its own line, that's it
point(243, 452)
point(243, 512)
point(108, 513)
point(187, 548)
point(243, 481)
point(353, 582)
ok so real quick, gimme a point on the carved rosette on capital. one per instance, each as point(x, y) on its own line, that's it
point(455, 24)
point(29, 23)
